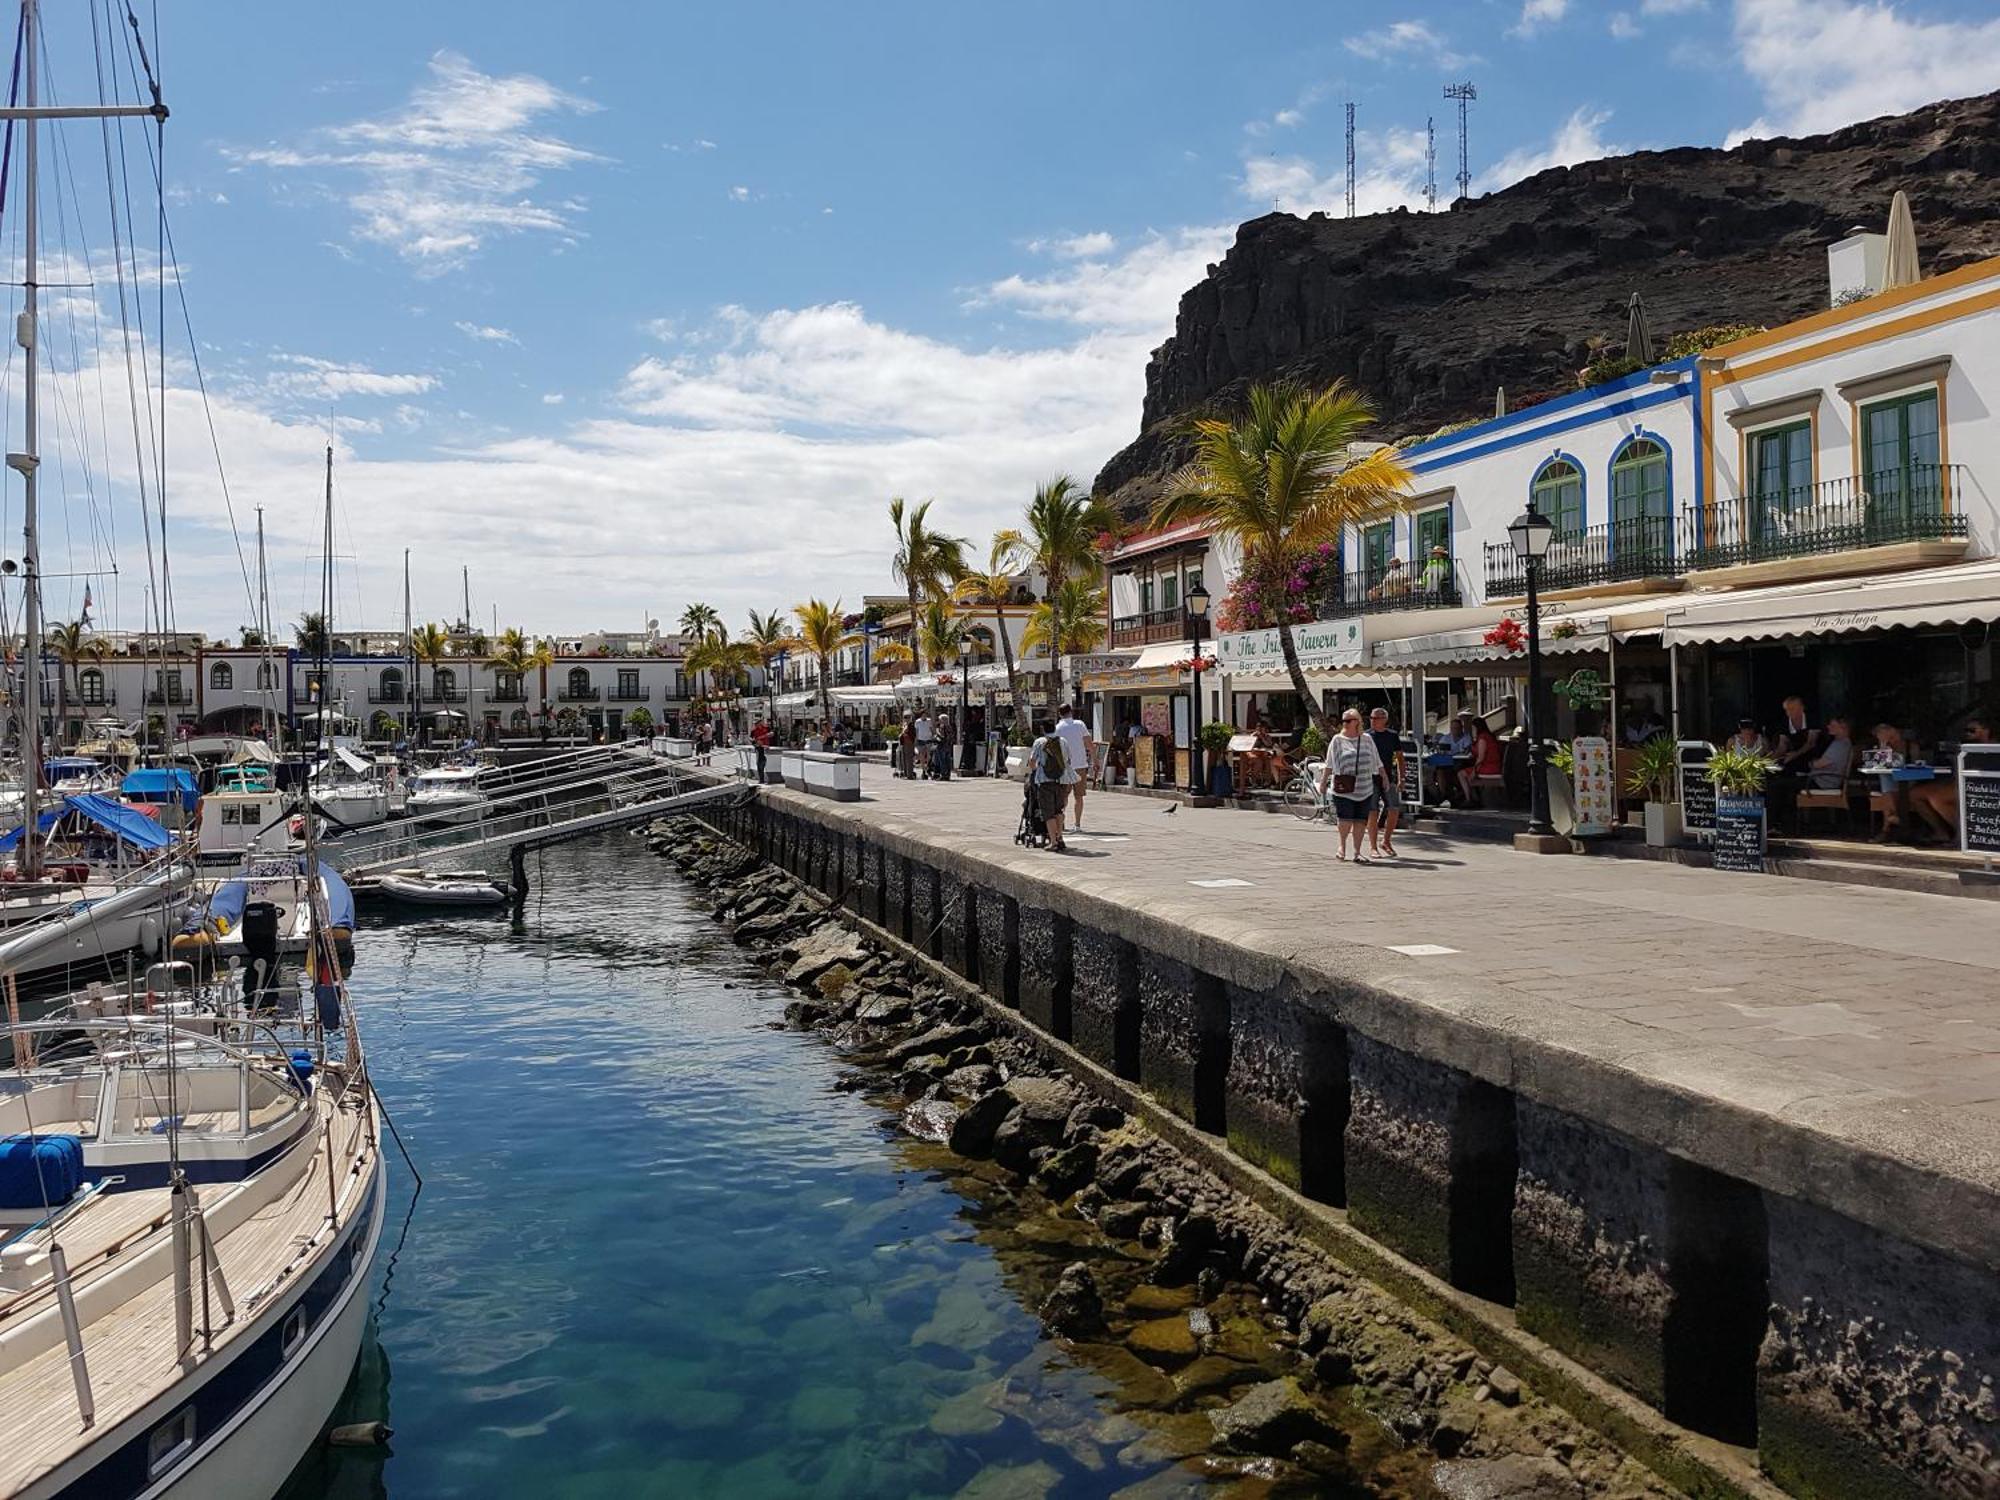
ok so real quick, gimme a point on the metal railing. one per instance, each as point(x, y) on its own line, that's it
point(170, 698)
point(1614, 552)
point(620, 695)
point(1379, 590)
point(579, 695)
point(376, 695)
point(1913, 504)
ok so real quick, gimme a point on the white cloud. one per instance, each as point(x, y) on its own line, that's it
point(486, 333)
point(1075, 246)
point(1623, 27)
point(1409, 41)
point(308, 377)
point(1828, 64)
point(1536, 14)
point(1389, 174)
point(1290, 119)
point(456, 166)
point(1671, 7)
point(1577, 139)
point(1135, 294)
point(552, 398)
point(740, 194)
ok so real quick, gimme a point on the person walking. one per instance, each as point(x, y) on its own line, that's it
point(926, 738)
point(1389, 747)
point(1076, 749)
point(941, 749)
point(1047, 765)
point(906, 750)
point(1352, 767)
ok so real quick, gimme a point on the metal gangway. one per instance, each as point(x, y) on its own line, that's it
point(604, 798)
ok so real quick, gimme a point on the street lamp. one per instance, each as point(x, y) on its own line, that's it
point(964, 691)
point(1531, 533)
point(1197, 618)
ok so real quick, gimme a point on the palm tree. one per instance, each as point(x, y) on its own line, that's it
point(768, 636)
point(995, 587)
point(1284, 478)
point(311, 634)
point(73, 645)
point(890, 653)
point(1069, 622)
point(939, 633)
point(1064, 522)
point(431, 643)
point(823, 631)
point(698, 620)
point(927, 562)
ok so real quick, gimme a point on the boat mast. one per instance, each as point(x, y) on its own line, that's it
point(25, 463)
point(326, 621)
point(413, 695)
point(266, 668)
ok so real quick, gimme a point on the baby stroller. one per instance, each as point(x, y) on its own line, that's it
point(1033, 832)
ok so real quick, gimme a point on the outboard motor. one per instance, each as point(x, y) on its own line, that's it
point(260, 955)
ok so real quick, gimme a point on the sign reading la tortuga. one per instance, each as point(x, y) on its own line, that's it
point(1321, 645)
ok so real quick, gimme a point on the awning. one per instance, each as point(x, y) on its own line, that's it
point(1566, 628)
point(871, 696)
point(127, 823)
point(1152, 658)
point(795, 700)
point(162, 783)
point(1831, 606)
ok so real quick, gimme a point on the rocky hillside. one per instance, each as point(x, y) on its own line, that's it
point(1430, 312)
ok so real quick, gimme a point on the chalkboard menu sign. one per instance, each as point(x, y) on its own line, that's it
point(1697, 791)
point(1413, 773)
point(1979, 799)
point(1739, 834)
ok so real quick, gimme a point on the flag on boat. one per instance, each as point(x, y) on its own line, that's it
point(85, 620)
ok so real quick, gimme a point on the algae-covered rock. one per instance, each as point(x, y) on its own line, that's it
point(1163, 1341)
point(1270, 1418)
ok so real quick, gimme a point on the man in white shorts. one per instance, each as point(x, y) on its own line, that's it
point(1076, 750)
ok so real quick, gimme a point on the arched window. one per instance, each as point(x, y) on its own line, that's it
point(90, 686)
point(1639, 485)
point(579, 682)
point(389, 686)
point(518, 719)
point(267, 676)
point(1558, 494)
point(446, 680)
point(221, 678)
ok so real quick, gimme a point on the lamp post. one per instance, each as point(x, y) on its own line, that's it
point(1197, 617)
point(1531, 533)
point(964, 693)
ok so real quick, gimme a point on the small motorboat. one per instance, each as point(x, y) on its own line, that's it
point(454, 889)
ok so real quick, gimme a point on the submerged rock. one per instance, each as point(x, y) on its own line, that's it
point(1271, 1418)
point(1164, 1341)
point(1075, 1308)
point(1033, 1481)
point(930, 1119)
point(1513, 1476)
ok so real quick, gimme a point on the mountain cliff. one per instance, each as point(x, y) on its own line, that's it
point(1428, 313)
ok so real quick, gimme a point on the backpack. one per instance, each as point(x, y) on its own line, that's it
point(1054, 762)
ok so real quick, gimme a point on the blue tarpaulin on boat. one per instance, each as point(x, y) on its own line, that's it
point(230, 897)
point(127, 823)
point(162, 784)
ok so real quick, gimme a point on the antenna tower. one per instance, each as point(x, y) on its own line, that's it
point(1464, 93)
point(1350, 158)
point(1431, 165)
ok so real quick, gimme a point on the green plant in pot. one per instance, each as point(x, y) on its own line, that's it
point(1312, 742)
point(1215, 749)
point(1652, 774)
point(1738, 772)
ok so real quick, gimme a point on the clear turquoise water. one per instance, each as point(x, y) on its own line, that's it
point(658, 1254)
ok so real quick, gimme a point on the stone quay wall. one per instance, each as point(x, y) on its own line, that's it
point(1839, 1310)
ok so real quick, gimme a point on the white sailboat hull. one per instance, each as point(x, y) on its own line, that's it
point(100, 926)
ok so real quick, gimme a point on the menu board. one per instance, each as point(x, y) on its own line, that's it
point(1979, 798)
point(1697, 791)
point(1145, 760)
point(1739, 834)
point(1413, 773)
point(1596, 800)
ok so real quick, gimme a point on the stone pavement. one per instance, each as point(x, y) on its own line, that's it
point(1866, 1017)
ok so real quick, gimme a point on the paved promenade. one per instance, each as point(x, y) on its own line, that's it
point(1854, 1015)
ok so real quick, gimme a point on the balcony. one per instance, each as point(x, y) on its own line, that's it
point(376, 695)
point(580, 695)
point(625, 695)
point(446, 695)
point(1885, 509)
point(1379, 590)
point(507, 695)
point(169, 698)
point(1149, 629)
point(1615, 552)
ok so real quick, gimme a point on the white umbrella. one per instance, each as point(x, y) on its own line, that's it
point(1638, 335)
point(1899, 266)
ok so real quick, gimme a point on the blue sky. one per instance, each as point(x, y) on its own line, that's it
point(625, 305)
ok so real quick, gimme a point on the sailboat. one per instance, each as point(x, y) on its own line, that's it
point(191, 1173)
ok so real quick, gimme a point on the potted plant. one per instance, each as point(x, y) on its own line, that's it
point(1215, 740)
point(1654, 771)
point(1738, 772)
point(1739, 776)
point(1312, 743)
point(1017, 750)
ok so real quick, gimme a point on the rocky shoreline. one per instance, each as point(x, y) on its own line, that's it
point(1245, 1356)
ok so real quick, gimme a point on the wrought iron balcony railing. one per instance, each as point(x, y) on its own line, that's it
point(1150, 628)
point(579, 695)
point(1380, 590)
point(1918, 503)
point(1615, 552)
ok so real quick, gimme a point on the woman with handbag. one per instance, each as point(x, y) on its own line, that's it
point(1353, 765)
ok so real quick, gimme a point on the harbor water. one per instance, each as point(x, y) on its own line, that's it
point(666, 1249)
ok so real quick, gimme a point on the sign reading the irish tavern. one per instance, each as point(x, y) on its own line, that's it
point(1322, 644)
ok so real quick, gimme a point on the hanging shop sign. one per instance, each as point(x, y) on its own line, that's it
point(1132, 680)
point(1322, 645)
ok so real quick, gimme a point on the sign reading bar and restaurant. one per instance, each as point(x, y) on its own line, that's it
point(1322, 645)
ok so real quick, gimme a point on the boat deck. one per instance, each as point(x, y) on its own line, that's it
point(130, 1348)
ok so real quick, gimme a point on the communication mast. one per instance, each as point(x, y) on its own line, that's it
point(1431, 165)
point(1464, 93)
point(1350, 158)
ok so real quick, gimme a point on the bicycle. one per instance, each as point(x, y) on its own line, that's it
point(1303, 798)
